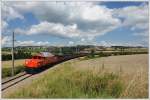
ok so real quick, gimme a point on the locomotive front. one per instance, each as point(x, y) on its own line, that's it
point(34, 62)
point(38, 62)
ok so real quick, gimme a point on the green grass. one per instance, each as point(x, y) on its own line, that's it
point(6, 71)
point(66, 82)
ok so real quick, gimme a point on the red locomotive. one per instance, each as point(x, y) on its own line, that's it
point(40, 60)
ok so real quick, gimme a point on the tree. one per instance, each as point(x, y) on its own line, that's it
point(92, 52)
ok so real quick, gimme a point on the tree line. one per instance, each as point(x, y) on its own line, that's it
point(24, 54)
point(17, 55)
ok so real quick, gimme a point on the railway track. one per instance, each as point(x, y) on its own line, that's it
point(14, 80)
point(22, 76)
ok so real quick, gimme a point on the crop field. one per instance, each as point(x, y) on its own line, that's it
point(123, 76)
point(133, 70)
point(7, 65)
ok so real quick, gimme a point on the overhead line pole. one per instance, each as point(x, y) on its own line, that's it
point(60, 50)
point(13, 54)
point(76, 49)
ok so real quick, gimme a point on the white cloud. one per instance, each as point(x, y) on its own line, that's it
point(88, 20)
point(142, 33)
point(4, 24)
point(31, 43)
point(104, 43)
point(9, 13)
point(135, 17)
point(82, 40)
point(5, 40)
point(133, 14)
point(55, 29)
point(108, 44)
point(83, 20)
point(71, 43)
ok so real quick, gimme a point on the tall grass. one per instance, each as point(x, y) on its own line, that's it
point(66, 82)
point(91, 79)
point(6, 71)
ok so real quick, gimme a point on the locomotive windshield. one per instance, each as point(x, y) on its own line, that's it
point(37, 57)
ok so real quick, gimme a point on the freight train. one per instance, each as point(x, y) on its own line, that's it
point(43, 59)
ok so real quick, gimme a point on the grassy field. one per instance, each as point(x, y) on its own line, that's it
point(7, 65)
point(133, 70)
point(106, 77)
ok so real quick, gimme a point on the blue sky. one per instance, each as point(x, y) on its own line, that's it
point(100, 23)
point(116, 4)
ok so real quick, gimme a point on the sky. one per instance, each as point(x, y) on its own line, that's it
point(75, 23)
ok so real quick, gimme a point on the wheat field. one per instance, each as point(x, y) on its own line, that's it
point(62, 81)
point(133, 70)
point(7, 64)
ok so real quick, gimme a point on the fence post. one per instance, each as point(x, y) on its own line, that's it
point(103, 66)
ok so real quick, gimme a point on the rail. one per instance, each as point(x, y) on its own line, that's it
point(13, 81)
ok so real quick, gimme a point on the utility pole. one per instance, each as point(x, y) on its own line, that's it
point(60, 50)
point(13, 54)
point(76, 49)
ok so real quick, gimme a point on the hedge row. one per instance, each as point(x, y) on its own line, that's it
point(102, 54)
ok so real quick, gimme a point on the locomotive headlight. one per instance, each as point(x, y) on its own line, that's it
point(26, 62)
